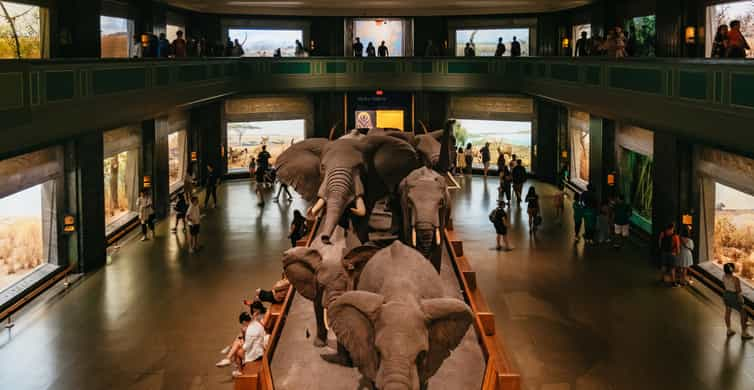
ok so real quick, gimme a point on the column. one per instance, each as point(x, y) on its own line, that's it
point(601, 154)
point(91, 201)
point(545, 141)
point(75, 28)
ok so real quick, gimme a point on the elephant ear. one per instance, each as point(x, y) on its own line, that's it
point(392, 160)
point(352, 317)
point(448, 319)
point(299, 165)
point(355, 261)
point(300, 265)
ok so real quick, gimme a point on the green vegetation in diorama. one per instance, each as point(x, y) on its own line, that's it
point(734, 231)
point(636, 182)
point(19, 31)
point(643, 31)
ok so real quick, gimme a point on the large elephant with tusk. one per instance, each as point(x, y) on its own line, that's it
point(347, 176)
point(425, 210)
point(433, 148)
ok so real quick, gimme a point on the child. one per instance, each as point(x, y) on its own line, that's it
point(193, 215)
point(603, 225)
point(499, 219)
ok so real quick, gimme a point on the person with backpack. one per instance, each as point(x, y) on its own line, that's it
point(532, 202)
point(499, 219)
point(485, 152)
point(180, 208)
point(670, 246)
point(519, 178)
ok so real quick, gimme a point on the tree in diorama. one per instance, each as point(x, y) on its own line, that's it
point(19, 31)
point(461, 134)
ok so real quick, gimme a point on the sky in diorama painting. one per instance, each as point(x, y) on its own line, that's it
point(26, 203)
point(245, 139)
point(485, 40)
point(512, 137)
point(263, 42)
point(378, 30)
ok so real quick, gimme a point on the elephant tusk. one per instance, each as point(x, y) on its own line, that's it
point(314, 210)
point(437, 236)
point(413, 237)
point(360, 210)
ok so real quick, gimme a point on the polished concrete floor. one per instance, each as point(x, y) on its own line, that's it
point(570, 317)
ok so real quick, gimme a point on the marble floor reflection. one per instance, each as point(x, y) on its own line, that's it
point(570, 317)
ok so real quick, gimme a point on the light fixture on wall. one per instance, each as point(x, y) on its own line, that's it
point(687, 219)
point(611, 179)
point(566, 42)
point(690, 35)
point(147, 181)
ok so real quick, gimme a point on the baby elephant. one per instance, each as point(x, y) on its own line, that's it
point(398, 326)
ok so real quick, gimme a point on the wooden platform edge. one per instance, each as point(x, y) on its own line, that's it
point(498, 374)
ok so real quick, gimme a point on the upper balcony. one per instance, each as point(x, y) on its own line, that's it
point(706, 100)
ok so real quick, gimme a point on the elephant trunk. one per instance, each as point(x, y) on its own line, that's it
point(339, 193)
point(396, 376)
point(425, 238)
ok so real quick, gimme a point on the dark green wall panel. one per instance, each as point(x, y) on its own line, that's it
point(564, 72)
point(692, 85)
point(421, 67)
point(641, 80)
point(60, 85)
point(336, 67)
point(12, 85)
point(162, 76)
point(190, 73)
point(291, 68)
point(380, 67)
point(468, 67)
point(742, 89)
point(118, 80)
point(593, 75)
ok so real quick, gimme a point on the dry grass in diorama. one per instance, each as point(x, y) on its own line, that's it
point(734, 243)
point(20, 245)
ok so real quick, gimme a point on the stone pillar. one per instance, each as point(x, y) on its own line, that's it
point(545, 140)
point(206, 122)
point(601, 154)
point(91, 201)
point(161, 168)
point(666, 188)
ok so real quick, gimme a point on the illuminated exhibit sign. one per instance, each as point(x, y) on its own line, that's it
point(385, 119)
point(69, 224)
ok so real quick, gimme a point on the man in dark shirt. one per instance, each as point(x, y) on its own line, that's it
point(263, 165)
point(213, 179)
point(485, 152)
point(515, 48)
point(179, 45)
point(500, 48)
point(382, 50)
point(519, 178)
point(358, 48)
point(582, 46)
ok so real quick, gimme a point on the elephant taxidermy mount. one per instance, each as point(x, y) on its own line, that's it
point(433, 148)
point(347, 176)
point(398, 325)
point(425, 212)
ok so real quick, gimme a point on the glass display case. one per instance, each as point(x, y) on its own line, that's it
point(245, 140)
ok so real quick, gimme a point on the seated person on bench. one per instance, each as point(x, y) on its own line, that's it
point(249, 347)
point(276, 295)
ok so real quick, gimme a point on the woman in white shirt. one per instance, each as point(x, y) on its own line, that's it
point(193, 216)
point(733, 300)
point(146, 214)
point(251, 343)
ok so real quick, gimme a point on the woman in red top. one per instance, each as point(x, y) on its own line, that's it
point(737, 44)
point(670, 248)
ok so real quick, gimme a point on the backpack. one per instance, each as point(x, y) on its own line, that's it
point(495, 216)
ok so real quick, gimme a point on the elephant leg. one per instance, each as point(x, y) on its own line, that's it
point(319, 314)
point(341, 358)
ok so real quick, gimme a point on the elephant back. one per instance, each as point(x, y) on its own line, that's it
point(399, 269)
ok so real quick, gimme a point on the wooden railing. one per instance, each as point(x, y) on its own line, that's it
point(499, 374)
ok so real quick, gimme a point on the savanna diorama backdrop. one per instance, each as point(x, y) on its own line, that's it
point(507, 137)
point(733, 240)
point(19, 30)
point(245, 140)
point(21, 239)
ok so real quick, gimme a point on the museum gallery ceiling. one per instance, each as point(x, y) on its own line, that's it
point(375, 7)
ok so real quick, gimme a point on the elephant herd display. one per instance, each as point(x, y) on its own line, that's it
point(386, 304)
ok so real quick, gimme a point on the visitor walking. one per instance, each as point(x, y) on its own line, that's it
point(358, 48)
point(469, 157)
point(519, 178)
point(213, 179)
point(382, 50)
point(500, 50)
point(622, 214)
point(282, 187)
point(193, 216)
point(179, 45)
point(146, 214)
point(532, 202)
point(578, 216)
point(499, 220)
point(460, 161)
point(163, 46)
point(180, 208)
point(485, 152)
point(252, 167)
point(263, 162)
point(515, 48)
point(506, 183)
point(669, 249)
point(298, 228)
point(734, 300)
point(371, 51)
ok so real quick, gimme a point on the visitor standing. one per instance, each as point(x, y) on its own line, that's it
point(298, 228)
point(506, 182)
point(515, 48)
point(737, 45)
point(382, 50)
point(358, 48)
point(430, 50)
point(499, 220)
point(371, 51)
point(146, 214)
point(720, 44)
point(193, 216)
point(237, 49)
point(163, 46)
point(179, 45)
point(578, 216)
point(500, 50)
point(469, 157)
point(180, 208)
point(252, 167)
point(734, 300)
point(485, 152)
point(461, 161)
point(686, 255)
point(213, 179)
point(468, 51)
point(590, 223)
point(137, 50)
point(532, 202)
point(669, 249)
point(300, 51)
point(622, 212)
point(519, 178)
point(188, 182)
point(582, 45)
point(263, 164)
